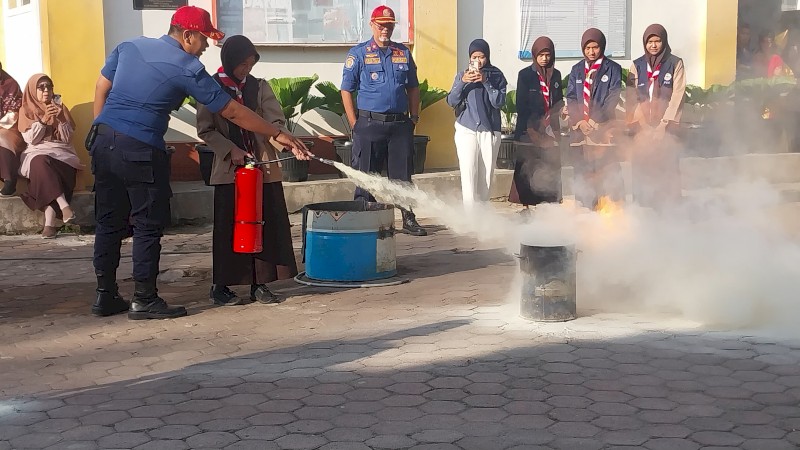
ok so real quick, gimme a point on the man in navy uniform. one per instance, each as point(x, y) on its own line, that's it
point(142, 81)
point(385, 76)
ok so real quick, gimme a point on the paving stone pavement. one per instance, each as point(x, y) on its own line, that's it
point(441, 362)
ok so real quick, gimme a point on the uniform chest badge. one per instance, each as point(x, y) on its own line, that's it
point(350, 61)
point(604, 79)
point(399, 59)
point(372, 60)
point(667, 76)
point(374, 76)
point(556, 85)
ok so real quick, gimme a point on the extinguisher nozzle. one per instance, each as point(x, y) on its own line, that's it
point(323, 160)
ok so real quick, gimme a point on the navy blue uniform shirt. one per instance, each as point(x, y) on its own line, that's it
point(381, 76)
point(151, 78)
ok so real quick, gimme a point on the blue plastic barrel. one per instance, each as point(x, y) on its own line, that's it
point(349, 241)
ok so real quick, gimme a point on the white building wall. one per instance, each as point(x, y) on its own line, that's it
point(499, 24)
point(123, 23)
point(23, 41)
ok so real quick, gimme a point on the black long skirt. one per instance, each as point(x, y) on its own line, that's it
point(49, 178)
point(275, 262)
point(537, 175)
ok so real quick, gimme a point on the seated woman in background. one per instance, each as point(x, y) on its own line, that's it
point(231, 145)
point(50, 161)
point(11, 143)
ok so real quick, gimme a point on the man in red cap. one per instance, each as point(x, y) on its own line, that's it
point(143, 80)
point(385, 77)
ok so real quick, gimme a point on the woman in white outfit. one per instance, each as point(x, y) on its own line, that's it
point(477, 95)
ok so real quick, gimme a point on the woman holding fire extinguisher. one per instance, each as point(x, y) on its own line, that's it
point(232, 146)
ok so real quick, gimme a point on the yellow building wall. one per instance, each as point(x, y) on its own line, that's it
point(720, 45)
point(73, 49)
point(435, 31)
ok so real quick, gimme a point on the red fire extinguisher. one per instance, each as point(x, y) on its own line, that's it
point(248, 217)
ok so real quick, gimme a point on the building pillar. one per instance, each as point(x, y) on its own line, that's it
point(435, 52)
point(719, 50)
point(73, 52)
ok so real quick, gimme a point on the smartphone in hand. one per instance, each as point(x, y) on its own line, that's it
point(57, 99)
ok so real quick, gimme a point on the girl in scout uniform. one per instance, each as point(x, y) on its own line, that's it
point(593, 93)
point(537, 169)
point(656, 85)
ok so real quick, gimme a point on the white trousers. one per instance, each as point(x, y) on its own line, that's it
point(477, 153)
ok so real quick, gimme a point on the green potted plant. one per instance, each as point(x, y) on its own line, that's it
point(332, 102)
point(427, 96)
point(508, 116)
point(293, 93)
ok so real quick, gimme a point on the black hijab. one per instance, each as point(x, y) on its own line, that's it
point(493, 75)
point(235, 51)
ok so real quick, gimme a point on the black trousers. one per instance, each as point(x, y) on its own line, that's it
point(377, 143)
point(131, 183)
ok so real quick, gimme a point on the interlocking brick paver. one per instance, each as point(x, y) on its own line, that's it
point(440, 362)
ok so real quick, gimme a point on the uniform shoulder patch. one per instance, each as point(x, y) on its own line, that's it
point(349, 62)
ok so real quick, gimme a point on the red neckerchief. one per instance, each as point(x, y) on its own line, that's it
point(652, 76)
point(247, 137)
point(546, 94)
point(588, 79)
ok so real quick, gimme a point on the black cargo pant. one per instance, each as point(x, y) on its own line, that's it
point(376, 143)
point(131, 185)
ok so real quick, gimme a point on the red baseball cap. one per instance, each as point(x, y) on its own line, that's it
point(196, 19)
point(383, 14)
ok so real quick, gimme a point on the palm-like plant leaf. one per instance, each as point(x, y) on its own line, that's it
point(429, 95)
point(292, 92)
point(509, 108)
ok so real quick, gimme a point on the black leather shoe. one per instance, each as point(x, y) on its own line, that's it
point(411, 225)
point(223, 296)
point(109, 303)
point(154, 309)
point(147, 304)
point(260, 293)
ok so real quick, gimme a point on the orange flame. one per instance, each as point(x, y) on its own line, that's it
point(607, 207)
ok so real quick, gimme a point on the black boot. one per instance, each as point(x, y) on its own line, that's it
point(147, 304)
point(223, 296)
point(108, 301)
point(9, 187)
point(410, 224)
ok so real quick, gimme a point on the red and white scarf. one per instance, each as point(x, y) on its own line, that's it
point(546, 94)
point(238, 88)
point(589, 74)
point(652, 76)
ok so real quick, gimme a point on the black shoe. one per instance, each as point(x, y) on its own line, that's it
point(9, 188)
point(147, 304)
point(222, 296)
point(411, 225)
point(109, 303)
point(154, 309)
point(260, 293)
